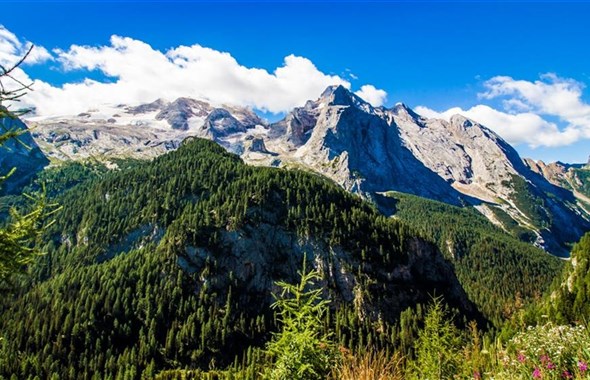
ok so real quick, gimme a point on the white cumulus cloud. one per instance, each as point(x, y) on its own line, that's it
point(374, 96)
point(12, 50)
point(526, 105)
point(136, 73)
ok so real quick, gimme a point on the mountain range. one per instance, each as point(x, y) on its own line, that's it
point(171, 262)
point(372, 151)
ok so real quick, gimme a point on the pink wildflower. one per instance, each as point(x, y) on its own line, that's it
point(583, 367)
point(566, 375)
point(521, 358)
point(537, 373)
point(476, 375)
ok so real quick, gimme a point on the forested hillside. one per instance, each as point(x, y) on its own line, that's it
point(172, 264)
point(498, 271)
point(569, 301)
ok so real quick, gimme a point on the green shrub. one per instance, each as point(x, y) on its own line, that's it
point(437, 347)
point(302, 350)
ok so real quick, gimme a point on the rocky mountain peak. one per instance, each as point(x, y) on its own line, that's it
point(179, 111)
point(220, 122)
point(156, 105)
point(364, 149)
point(401, 110)
point(331, 91)
point(461, 121)
point(341, 96)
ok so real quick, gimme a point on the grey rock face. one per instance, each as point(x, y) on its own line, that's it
point(221, 123)
point(75, 140)
point(257, 145)
point(374, 150)
point(259, 255)
point(298, 124)
point(358, 147)
point(22, 154)
point(181, 110)
point(146, 108)
point(142, 131)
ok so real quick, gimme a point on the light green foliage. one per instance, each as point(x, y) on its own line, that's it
point(302, 350)
point(570, 301)
point(583, 175)
point(529, 202)
point(17, 236)
point(437, 355)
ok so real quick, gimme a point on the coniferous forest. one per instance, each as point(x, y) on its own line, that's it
point(195, 265)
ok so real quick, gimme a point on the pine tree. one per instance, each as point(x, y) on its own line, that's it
point(436, 347)
point(302, 350)
point(22, 228)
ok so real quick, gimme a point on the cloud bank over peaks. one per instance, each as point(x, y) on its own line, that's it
point(134, 72)
point(526, 106)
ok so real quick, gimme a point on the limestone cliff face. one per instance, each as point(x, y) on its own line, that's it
point(555, 172)
point(258, 256)
point(472, 158)
point(354, 144)
point(373, 150)
point(143, 131)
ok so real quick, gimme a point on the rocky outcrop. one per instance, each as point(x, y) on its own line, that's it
point(354, 144)
point(75, 140)
point(297, 126)
point(142, 131)
point(220, 123)
point(256, 145)
point(555, 172)
point(157, 105)
point(178, 113)
point(258, 256)
point(20, 153)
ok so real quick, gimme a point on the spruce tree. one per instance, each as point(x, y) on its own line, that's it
point(18, 233)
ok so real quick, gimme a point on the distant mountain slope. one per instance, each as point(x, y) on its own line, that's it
point(478, 250)
point(573, 177)
point(143, 131)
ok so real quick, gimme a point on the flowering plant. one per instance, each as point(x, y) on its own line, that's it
point(548, 352)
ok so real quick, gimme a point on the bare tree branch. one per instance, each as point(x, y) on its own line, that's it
point(8, 71)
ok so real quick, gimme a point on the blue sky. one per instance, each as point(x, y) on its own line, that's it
point(433, 56)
